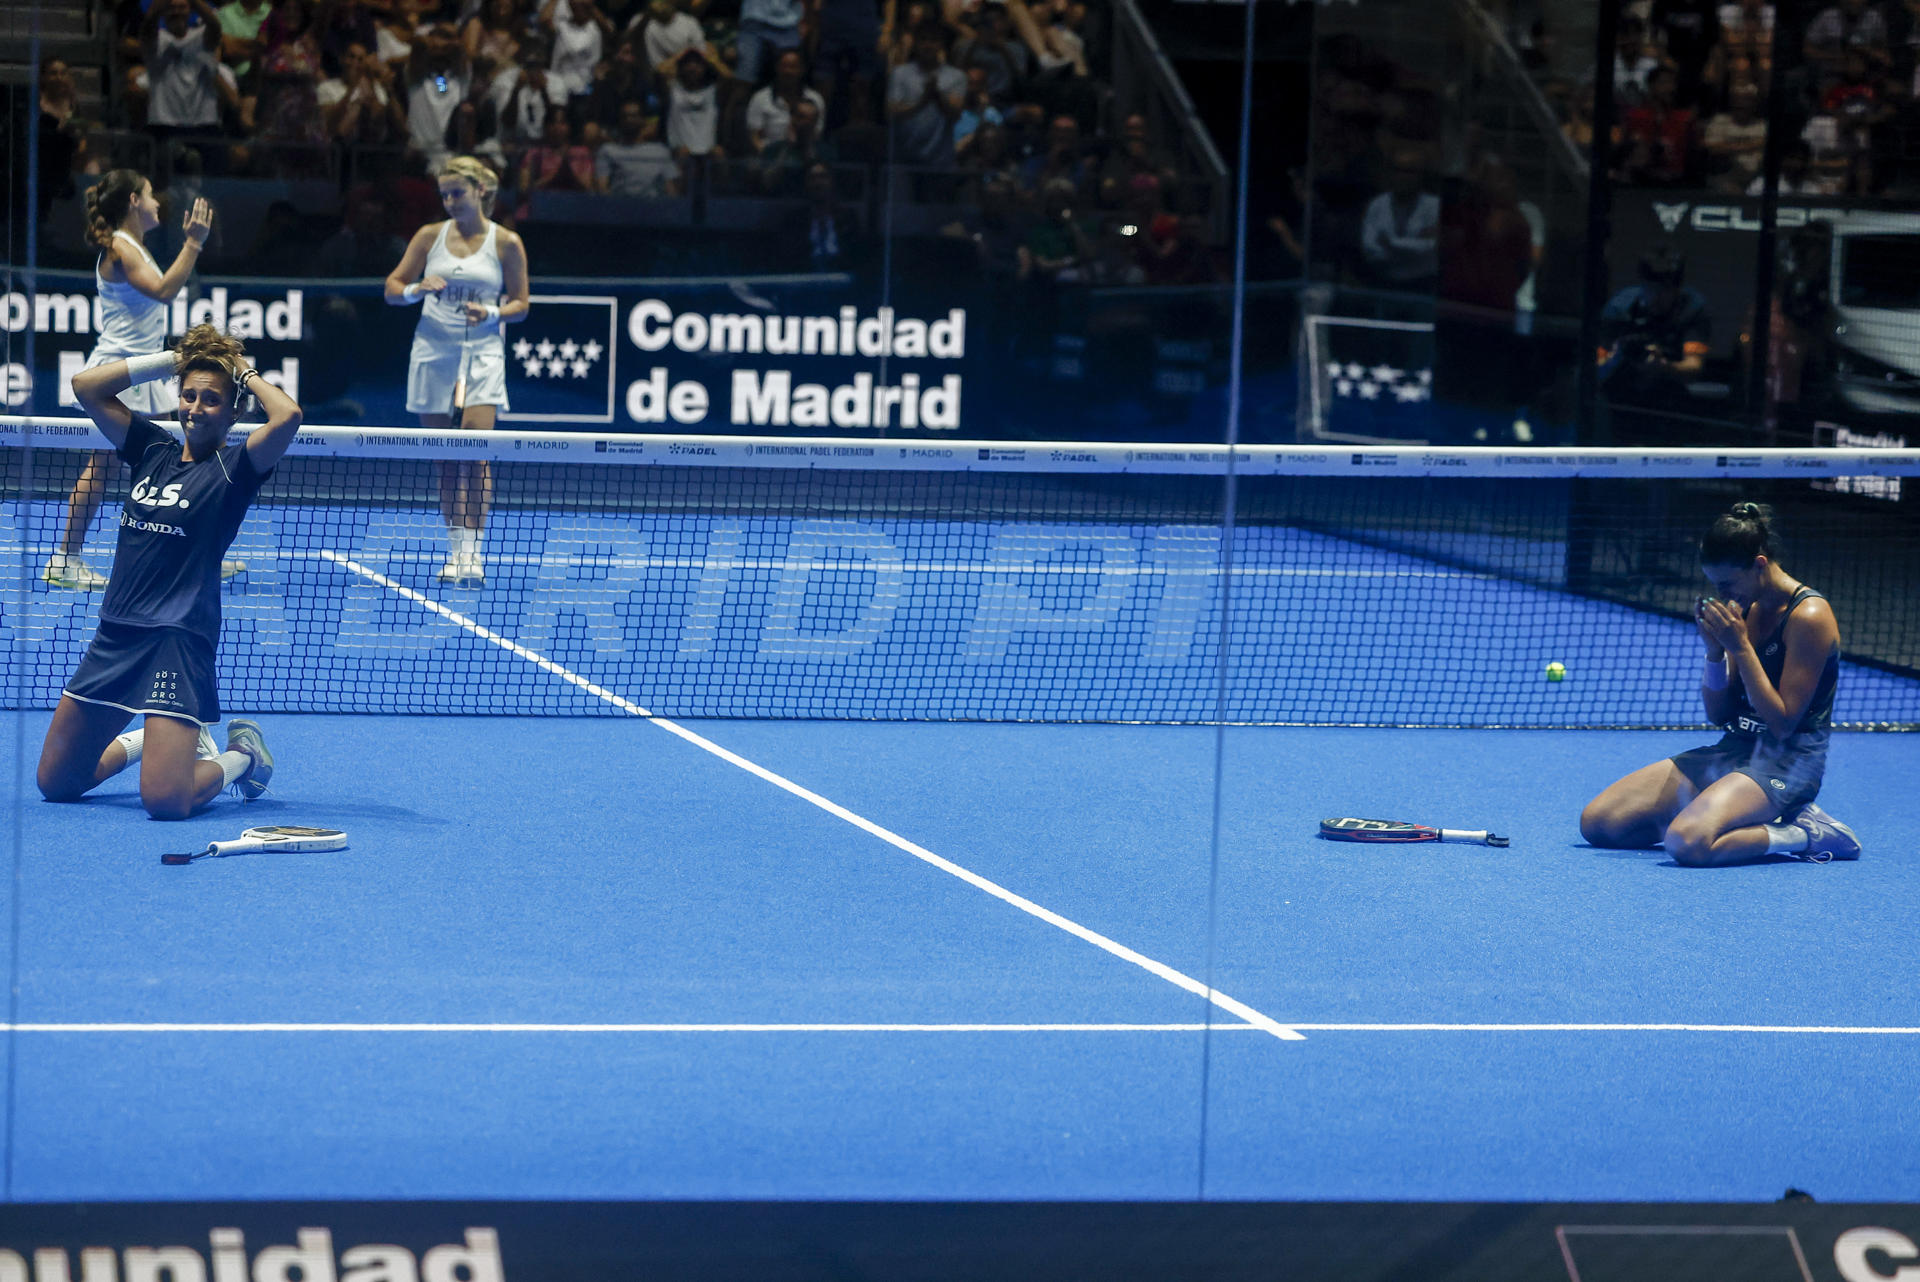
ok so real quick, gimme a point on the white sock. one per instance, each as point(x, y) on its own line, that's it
point(133, 741)
point(1786, 839)
point(233, 764)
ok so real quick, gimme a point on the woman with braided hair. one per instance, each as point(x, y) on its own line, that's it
point(1771, 664)
point(154, 652)
point(134, 293)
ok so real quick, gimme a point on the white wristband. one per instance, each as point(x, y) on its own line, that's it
point(411, 294)
point(493, 311)
point(1714, 675)
point(144, 369)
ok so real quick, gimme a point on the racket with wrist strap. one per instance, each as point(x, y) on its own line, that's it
point(289, 838)
point(1393, 832)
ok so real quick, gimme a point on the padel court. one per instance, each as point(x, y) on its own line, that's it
point(671, 956)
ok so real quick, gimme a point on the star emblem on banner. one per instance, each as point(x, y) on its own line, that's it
point(548, 359)
point(1407, 387)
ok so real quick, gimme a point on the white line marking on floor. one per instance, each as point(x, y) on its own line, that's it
point(1841, 1030)
point(1177, 978)
point(616, 1028)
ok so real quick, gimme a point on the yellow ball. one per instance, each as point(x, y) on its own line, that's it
point(1556, 671)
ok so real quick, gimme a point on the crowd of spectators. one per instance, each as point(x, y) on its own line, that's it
point(1695, 81)
point(1401, 195)
point(993, 109)
point(1408, 208)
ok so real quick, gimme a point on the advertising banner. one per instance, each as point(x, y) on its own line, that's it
point(704, 356)
point(806, 355)
point(1844, 344)
point(1795, 1240)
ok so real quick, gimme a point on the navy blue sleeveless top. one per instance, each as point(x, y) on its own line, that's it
point(1772, 650)
point(178, 522)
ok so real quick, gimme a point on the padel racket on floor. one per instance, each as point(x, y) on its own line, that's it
point(1390, 831)
point(290, 838)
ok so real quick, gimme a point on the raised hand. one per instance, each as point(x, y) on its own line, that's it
point(198, 223)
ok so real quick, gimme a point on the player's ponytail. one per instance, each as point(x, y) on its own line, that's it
point(1742, 533)
point(108, 202)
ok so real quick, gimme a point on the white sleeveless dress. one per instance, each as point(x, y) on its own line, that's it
point(443, 342)
point(132, 324)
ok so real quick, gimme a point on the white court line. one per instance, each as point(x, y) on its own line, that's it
point(1025, 905)
point(622, 1028)
point(1611, 1028)
point(283, 1027)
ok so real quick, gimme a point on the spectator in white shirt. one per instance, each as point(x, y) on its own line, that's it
point(1399, 233)
point(1849, 25)
point(670, 31)
point(579, 31)
point(1735, 140)
point(358, 105)
point(636, 162)
point(439, 79)
point(693, 111)
point(770, 110)
point(924, 98)
point(523, 97)
point(183, 61)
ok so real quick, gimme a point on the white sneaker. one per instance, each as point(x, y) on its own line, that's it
point(464, 570)
point(73, 574)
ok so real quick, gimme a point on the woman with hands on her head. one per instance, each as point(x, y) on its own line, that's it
point(154, 652)
point(1772, 659)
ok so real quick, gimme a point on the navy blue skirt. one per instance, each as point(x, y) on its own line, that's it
point(149, 671)
point(1790, 775)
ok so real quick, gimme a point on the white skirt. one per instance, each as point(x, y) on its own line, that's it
point(434, 370)
point(155, 399)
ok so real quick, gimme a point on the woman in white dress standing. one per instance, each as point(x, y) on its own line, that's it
point(470, 276)
point(134, 293)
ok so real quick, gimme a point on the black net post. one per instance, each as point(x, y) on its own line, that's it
point(1592, 420)
point(1789, 30)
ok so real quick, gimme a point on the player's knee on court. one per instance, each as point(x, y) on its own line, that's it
point(1689, 844)
point(1600, 827)
point(55, 786)
point(166, 803)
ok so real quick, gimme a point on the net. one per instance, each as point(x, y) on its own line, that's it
point(736, 577)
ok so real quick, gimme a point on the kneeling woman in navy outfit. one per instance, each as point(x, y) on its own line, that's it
point(153, 655)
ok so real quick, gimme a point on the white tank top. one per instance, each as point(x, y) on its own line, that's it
point(131, 324)
point(477, 278)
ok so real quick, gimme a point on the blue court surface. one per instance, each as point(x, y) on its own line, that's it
point(619, 958)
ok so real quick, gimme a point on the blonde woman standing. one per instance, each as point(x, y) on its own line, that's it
point(469, 274)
